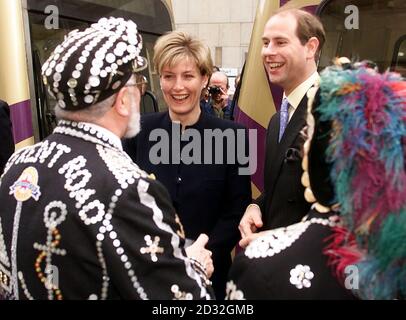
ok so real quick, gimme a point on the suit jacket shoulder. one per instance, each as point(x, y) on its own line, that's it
point(214, 122)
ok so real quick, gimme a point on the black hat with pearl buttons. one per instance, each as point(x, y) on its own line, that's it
point(91, 65)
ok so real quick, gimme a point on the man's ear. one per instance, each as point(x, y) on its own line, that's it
point(312, 45)
point(122, 103)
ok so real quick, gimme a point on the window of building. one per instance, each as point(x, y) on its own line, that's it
point(365, 30)
point(399, 57)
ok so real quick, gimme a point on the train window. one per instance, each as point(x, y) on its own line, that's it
point(399, 56)
point(363, 29)
point(152, 18)
point(150, 15)
point(43, 43)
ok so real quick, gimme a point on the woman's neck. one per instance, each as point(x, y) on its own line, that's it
point(186, 119)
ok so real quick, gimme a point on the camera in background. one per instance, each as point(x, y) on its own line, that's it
point(214, 90)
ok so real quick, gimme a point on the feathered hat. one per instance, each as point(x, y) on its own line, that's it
point(359, 127)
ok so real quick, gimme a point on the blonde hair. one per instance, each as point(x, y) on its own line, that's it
point(175, 46)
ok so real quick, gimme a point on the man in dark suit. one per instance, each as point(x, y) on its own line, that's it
point(6, 135)
point(292, 41)
point(79, 219)
point(336, 250)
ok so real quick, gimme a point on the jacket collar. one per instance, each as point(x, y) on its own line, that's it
point(200, 124)
point(89, 132)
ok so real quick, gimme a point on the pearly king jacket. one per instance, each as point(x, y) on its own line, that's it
point(80, 220)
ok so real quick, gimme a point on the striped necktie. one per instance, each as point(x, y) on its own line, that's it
point(284, 117)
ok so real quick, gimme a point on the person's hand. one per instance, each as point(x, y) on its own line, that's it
point(248, 239)
point(220, 100)
point(224, 98)
point(198, 252)
point(249, 224)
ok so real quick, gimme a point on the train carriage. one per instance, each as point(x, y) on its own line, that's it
point(30, 31)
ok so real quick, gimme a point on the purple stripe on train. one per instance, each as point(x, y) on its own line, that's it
point(257, 178)
point(22, 121)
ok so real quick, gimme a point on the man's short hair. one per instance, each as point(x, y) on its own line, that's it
point(308, 25)
point(226, 77)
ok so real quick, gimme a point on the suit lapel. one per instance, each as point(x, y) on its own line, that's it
point(271, 146)
point(293, 128)
point(295, 125)
point(274, 131)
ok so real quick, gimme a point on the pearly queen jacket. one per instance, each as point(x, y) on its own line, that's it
point(290, 263)
point(80, 220)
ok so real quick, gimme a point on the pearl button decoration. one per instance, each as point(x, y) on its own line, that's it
point(95, 62)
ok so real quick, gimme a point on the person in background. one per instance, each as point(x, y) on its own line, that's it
point(204, 98)
point(218, 104)
point(79, 219)
point(148, 100)
point(6, 135)
point(209, 195)
point(350, 244)
point(142, 80)
point(292, 41)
